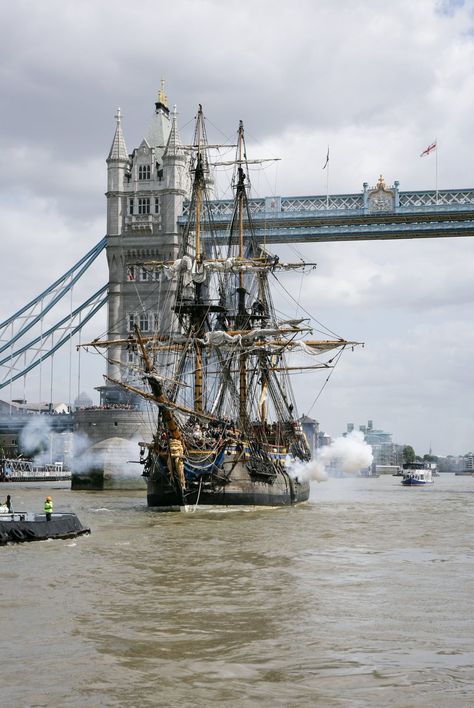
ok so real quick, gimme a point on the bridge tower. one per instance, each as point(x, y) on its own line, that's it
point(145, 193)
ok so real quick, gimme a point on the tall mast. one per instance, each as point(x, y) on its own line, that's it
point(199, 179)
point(241, 289)
point(199, 185)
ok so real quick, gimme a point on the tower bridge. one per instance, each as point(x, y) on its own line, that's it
point(146, 212)
point(373, 214)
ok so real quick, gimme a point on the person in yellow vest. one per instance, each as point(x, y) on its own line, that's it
point(48, 508)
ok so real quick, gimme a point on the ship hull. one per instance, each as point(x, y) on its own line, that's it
point(241, 490)
point(416, 482)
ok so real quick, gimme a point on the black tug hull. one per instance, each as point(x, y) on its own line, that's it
point(20, 528)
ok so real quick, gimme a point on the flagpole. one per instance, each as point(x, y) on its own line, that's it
point(327, 188)
point(436, 168)
point(326, 167)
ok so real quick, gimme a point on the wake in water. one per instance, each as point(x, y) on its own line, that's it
point(349, 454)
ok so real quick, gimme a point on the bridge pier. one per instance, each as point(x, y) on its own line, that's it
point(106, 448)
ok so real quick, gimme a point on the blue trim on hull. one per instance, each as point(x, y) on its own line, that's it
point(414, 483)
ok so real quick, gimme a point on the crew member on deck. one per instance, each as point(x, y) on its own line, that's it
point(48, 508)
point(8, 503)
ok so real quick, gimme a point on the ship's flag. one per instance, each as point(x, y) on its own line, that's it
point(327, 160)
point(429, 149)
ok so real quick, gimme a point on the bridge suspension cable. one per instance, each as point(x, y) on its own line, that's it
point(27, 317)
point(39, 354)
point(23, 348)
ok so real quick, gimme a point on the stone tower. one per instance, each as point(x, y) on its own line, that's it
point(145, 194)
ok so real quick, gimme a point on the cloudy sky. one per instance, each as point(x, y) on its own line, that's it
point(377, 82)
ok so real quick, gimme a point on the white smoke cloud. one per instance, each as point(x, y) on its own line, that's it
point(116, 457)
point(349, 454)
point(35, 438)
point(84, 457)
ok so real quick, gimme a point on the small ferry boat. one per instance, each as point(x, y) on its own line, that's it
point(416, 474)
point(21, 470)
point(20, 526)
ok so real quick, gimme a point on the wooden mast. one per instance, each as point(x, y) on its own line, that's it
point(199, 183)
point(241, 289)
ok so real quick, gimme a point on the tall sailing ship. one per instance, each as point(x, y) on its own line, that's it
point(227, 428)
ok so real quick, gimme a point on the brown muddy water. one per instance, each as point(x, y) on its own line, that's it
point(362, 597)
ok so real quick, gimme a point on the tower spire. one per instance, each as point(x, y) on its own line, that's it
point(174, 140)
point(118, 150)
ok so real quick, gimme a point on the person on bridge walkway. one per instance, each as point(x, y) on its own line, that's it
point(48, 508)
point(8, 503)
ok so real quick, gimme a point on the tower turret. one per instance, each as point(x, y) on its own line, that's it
point(117, 169)
point(176, 184)
point(117, 166)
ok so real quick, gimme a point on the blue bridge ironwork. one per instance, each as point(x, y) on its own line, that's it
point(380, 213)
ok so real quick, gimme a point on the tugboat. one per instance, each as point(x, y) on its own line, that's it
point(21, 526)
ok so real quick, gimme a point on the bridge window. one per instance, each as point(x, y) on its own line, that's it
point(144, 322)
point(131, 275)
point(144, 172)
point(131, 322)
point(130, 206)
point(157, 205)
point(144, 205)
point(144, 274)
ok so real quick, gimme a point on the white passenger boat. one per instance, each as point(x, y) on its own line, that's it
point(416, 474)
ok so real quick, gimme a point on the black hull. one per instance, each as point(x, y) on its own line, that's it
point(283, 492)
point(26, 529)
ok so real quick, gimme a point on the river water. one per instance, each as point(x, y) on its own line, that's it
point(362, 597)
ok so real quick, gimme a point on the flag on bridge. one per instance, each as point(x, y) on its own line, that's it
point(327, 160)
point(429, 149)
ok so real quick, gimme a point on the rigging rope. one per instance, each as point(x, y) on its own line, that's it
point(336, 357)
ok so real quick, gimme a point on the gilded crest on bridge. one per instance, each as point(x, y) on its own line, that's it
point(381, 198)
